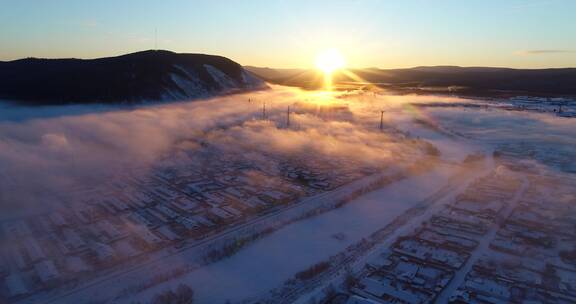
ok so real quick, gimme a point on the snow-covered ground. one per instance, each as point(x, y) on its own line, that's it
point(276, 258)
point(273, 260)
point(482, 249)
point(268, 263)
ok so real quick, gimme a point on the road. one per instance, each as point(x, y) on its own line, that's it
point(483, 247)
point(382, 238)
point(317, 200)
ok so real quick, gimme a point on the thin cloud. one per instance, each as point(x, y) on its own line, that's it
point(90, 23)
point(543, 52)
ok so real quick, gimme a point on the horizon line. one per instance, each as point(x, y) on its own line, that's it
point(292, 68)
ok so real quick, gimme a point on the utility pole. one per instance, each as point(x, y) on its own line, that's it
point(381, 120)
point(264, 111)
point(288, 117)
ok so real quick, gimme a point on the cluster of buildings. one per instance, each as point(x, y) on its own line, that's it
point(398, 278)
point(139, 212)
point(510, 237)
point(559, 156)
point(565, 107)
point(532, 257)
point(419, 266)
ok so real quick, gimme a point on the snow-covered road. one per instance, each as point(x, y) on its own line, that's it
point(276, 258)
point(271, 261)
point(482, 248)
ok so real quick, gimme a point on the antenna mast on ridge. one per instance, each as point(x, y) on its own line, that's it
point(155, 38)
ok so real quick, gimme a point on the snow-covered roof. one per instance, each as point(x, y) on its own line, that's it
point(46, 271)
point(15, 285)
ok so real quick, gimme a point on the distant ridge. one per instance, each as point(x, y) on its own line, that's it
point(137, 77)
point(425, 79)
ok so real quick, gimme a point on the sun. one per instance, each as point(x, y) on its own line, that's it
point(330, 60)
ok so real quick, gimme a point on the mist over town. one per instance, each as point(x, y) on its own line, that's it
point(287, 152)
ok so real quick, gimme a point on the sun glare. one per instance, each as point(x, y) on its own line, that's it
point(329, 61)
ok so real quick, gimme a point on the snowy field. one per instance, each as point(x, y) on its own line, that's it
point(269, 262)
point(276, 258)
point(76, 140)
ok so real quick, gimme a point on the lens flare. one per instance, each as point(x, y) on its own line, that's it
point(329, 61)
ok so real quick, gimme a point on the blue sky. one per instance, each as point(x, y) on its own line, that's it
point(288, 33)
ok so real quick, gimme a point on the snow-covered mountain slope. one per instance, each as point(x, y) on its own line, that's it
point(136, 77)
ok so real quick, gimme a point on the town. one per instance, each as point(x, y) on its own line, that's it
point(178, 202)
point(508, 238)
